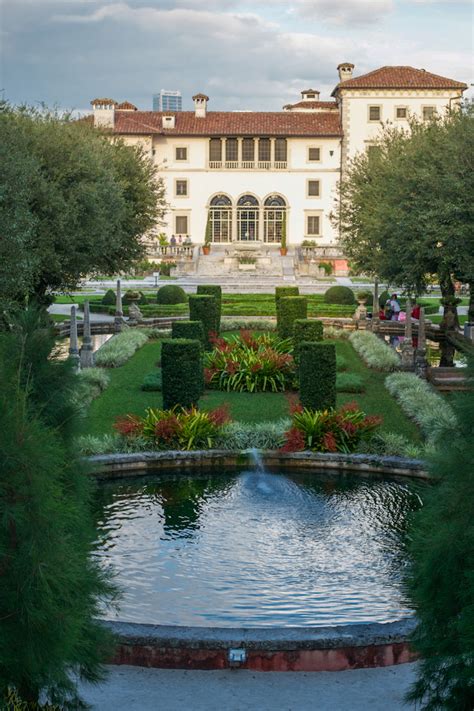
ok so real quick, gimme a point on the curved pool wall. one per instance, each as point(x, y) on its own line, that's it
point(307, 649)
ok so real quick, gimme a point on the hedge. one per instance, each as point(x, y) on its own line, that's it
point(216, 291)
point(204, 308)
point(109, 298)
point(339, 295)
point(306, 330)
point(289, 310)
point(317, 375)
point(188, 329)
point(283, 291)
point(182, 373)
point(171, 294)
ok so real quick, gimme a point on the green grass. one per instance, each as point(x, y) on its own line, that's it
point(123, 396)
point(437, 318)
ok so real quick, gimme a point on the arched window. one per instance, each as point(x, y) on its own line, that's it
point(274, 218)
point(247, 218)
point(220, 218)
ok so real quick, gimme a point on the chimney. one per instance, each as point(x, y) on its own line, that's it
point(200, 105)
point(310, 95)
point(168, 121)
point(345, 71)
point(104, 112)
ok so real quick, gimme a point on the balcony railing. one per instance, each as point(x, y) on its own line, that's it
point(248, 165)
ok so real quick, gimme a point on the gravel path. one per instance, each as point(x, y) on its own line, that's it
point(139, 689)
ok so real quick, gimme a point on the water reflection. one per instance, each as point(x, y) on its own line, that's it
point(97, 341)
point(257, 549)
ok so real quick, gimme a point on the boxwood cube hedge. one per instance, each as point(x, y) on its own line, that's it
point(216, 291)
point(306, 330)
point(290, 309)
point(182, 373)
point(317, 375)
point(188, 329)
point(204, 308)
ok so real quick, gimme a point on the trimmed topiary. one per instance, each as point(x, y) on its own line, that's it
point(289, 310)
point(317, 375)
point(188, 329)
point(282, 291)
point(130, 296)
point(306, 330)
point(339, 295)
point(182, 373)
point(171, 294)
point(216, 291)
point(109, 298)
point(204, 308)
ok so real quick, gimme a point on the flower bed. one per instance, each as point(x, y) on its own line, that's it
point(250, 363)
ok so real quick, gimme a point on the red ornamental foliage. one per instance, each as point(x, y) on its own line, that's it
point(372, 421)
point(128, 426)
point(208, 373)
point(249, 340)
point(329, 442)
point(218, 342)
point(220, 416)
point(231, 367)
point(295, 441)
point(294, 404)
point(167, 428)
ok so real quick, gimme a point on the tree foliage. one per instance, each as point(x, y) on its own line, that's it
point(405, 208)
point(441, 579)
point(52, 590)
point(72, 202)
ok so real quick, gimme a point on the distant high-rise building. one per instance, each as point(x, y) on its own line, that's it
point(167, 101)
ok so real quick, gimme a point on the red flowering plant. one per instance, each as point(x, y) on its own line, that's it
point(250, 363)
point(175, 429)
point(329, 430)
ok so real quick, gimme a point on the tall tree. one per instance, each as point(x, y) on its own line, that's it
point(405, 208)
point(52, 590)
point(441, 578)
point(72, 202)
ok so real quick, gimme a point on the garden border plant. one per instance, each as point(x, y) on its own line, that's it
point(375, 353)
point(118, 349)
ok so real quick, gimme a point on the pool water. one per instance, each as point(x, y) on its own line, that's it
point(256, 549)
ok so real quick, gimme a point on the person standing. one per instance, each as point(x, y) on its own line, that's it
point(394, 307)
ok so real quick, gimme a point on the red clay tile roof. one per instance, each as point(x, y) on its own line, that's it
point(230, 123)
point(399, 78)
point(310, 104)
point(126, 106)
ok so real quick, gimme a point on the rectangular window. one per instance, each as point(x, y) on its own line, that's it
point(375, 113)
point(215, 149)
point(401, 112)
point(264, 149)
point(231, 149)
point(181, 225)
point(181, 188)
point(248, 149)
point(181, 153)
point(313, 188)
point(280, 149)
point(314, 154)
point(428, 112)
point(312, 225)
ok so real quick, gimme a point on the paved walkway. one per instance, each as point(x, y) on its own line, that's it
point(138, 689)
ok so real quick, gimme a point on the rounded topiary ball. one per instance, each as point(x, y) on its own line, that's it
point(109, 298)
point(171, 294)
point(339, 295)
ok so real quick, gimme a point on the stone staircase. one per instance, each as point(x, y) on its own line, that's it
point(222, 262)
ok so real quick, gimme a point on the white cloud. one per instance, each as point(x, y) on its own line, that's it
point(345, 12)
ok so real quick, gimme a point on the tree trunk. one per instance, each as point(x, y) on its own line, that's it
point(450, 320)
point(470, 311)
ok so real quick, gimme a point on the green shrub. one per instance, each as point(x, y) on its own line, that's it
point(130, 296)
point(182, 373)
point(383, 298)
point(283, 291)
point(366, 296)
point(289, 310)
point(317, 375)
point(153, 381)
point(171, 294)
point(204, 308)
point(248, 324)
point(91, 382)
point(339, 295)
point(188, 329)
point(216, 291)
point(238, 436)
point(349, 383)
point(142, 301)
point(116, 351)
point(109, 298)
point(327, 267)
point(376, 353)
point(306, 330)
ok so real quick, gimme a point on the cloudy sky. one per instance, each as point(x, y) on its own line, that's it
point(245, 54)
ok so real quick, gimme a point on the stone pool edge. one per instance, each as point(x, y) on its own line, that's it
point(306, 649)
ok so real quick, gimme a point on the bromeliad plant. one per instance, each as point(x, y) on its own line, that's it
point(329, 430)
point(250, 363)
point(182, 429)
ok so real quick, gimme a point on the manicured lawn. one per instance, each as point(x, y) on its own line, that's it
point(123, 396)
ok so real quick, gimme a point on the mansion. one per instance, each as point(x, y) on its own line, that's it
point(251, 176)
